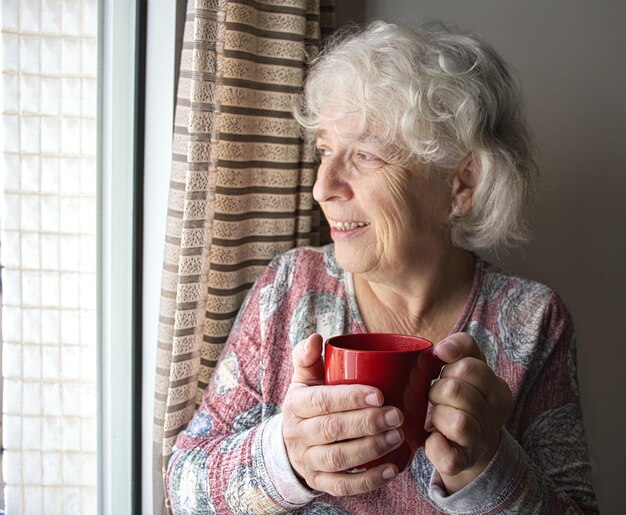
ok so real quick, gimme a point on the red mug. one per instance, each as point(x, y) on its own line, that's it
point(402, 367)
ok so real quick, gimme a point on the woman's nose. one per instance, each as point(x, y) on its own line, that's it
point(331, 183)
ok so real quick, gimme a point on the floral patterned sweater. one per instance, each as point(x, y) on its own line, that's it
point(231, 457)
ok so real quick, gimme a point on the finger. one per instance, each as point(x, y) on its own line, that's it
point(308, 366)
point(323, 400)
point(340, 456)
point(462, 395)
point(458, 346)
point(479, 375)
point(459, 427)
point(349, 424)
point(446, 457)
point(340, 484)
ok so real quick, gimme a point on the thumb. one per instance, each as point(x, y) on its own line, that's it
point(308, 366)
point(458, 346)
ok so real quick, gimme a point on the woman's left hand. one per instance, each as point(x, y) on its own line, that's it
point(471, 406)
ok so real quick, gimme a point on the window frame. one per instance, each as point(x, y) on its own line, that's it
point(121, 66)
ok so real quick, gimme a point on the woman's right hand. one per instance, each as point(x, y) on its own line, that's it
point(330, 429)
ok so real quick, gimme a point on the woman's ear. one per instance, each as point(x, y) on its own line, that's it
point(464, 182)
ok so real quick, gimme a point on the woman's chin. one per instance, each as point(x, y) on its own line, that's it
point(350, 260)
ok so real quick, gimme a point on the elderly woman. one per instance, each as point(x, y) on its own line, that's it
point(424, 161)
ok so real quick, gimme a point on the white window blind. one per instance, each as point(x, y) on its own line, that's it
point(48, 242)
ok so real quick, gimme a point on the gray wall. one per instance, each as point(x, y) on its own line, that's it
point(570, 55)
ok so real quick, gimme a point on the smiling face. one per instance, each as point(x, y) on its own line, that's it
point(385, 218)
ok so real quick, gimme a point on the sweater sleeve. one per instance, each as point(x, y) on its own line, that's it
point(218, 463)
point(545, 467)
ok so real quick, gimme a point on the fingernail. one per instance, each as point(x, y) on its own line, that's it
point(392, 437)
point(391, 418)
point(389, 473)
point(448, 346)
point(372, 399)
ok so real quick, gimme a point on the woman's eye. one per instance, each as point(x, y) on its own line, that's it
point(366, 157)
point(321, 153)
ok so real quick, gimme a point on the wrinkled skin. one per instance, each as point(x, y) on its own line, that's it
point(471, 406)
point(328, 429)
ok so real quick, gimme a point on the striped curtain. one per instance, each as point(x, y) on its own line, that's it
point(241, 185)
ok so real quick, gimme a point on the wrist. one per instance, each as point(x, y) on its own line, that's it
point(290, 487)
point(489, 489)
point(455, 482)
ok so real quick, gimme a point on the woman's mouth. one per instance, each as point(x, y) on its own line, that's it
point(346, 225)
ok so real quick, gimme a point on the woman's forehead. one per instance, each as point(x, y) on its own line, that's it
point(347, 125)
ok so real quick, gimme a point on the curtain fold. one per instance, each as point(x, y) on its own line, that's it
point(240, 190)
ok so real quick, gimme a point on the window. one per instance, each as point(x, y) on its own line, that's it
point(49, 106)
point(67, 234)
